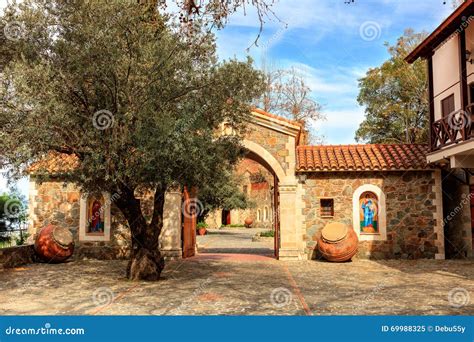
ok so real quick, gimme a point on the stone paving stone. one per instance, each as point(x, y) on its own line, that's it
point(389, 287)
point(243, 286)
point(235, 240)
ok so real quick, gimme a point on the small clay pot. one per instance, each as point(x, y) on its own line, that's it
point(202, 231)
point(248, 222)
point(54, 244)
point(338, 242)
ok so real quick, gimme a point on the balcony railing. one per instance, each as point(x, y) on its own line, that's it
point(452, 129)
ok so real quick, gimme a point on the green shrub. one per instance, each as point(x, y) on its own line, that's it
point(233, 226)
point(21, 239)
point(269, 233)
point(201, 225)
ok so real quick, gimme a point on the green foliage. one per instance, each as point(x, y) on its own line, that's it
point(258, 177)
point(233, 226)
point(222, 193)
point(268, 233)
point(21, 238)
point(395, 97)
point(13, 218)
point(134, 101)
point(201, 225)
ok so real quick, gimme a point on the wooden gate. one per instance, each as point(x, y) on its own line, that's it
point(189, 216)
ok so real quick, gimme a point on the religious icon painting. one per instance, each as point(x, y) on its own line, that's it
point(95, 217)
point(369, 213)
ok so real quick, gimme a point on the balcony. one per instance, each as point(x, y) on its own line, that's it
point(455, 128)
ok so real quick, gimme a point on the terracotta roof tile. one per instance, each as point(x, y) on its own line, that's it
point(54, 163)
point(368, 157)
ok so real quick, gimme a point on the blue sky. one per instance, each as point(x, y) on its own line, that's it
point(331, 43)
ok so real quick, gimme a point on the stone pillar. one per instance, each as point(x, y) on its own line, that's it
point(170, 238)
point(438, 215)
point(290, 240)
point(33, 223)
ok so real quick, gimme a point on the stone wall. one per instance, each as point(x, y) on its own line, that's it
point(273, 141)
point(58, 203)
point(409, 211)
point(17, 256)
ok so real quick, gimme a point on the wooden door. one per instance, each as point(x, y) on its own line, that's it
point(189, 225)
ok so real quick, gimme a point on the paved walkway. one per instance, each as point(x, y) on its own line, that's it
point(226, 284)
point(236, 241)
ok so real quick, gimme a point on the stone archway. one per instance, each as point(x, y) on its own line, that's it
point(269, 161)
point(273, 140)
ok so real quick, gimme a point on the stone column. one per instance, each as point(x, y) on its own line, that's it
point(33, 223)
point(438, 215)
point(289, 238)
point(170, 238)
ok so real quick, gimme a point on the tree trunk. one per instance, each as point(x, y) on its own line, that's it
point(146, 262)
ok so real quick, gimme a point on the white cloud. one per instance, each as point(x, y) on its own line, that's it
point(340, 119)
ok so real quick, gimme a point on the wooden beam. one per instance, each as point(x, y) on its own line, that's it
point(462, 69)
point(431, 101)
point(463, 78)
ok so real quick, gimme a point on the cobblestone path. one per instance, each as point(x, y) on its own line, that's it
point(242, 284)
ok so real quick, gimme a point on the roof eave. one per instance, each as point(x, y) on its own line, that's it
point(364, 170)
point(442, 32)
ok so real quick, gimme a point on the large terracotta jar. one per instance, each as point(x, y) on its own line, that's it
point(54, 244)
point(248, 222)
point(338, 242)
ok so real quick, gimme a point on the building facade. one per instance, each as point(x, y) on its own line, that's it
point(388, 194)
point(449, 55)
point(449, 52)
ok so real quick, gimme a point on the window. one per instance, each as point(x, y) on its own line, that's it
point(265, 214)
point(327, 207)
point(259, 215)
point(447, 105)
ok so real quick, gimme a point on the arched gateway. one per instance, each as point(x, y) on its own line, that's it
point(271, 141)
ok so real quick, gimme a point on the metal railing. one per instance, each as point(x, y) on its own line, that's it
point(11, 237)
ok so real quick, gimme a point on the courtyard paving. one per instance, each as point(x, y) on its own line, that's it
point(235, 240)
point(230, 284)
point(234, 282)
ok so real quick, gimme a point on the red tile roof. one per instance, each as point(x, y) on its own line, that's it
point(368, 157)
point(54, 163)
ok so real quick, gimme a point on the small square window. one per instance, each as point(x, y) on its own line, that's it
point(327, 207)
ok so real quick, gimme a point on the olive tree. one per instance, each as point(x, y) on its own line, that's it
point(118, 89)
